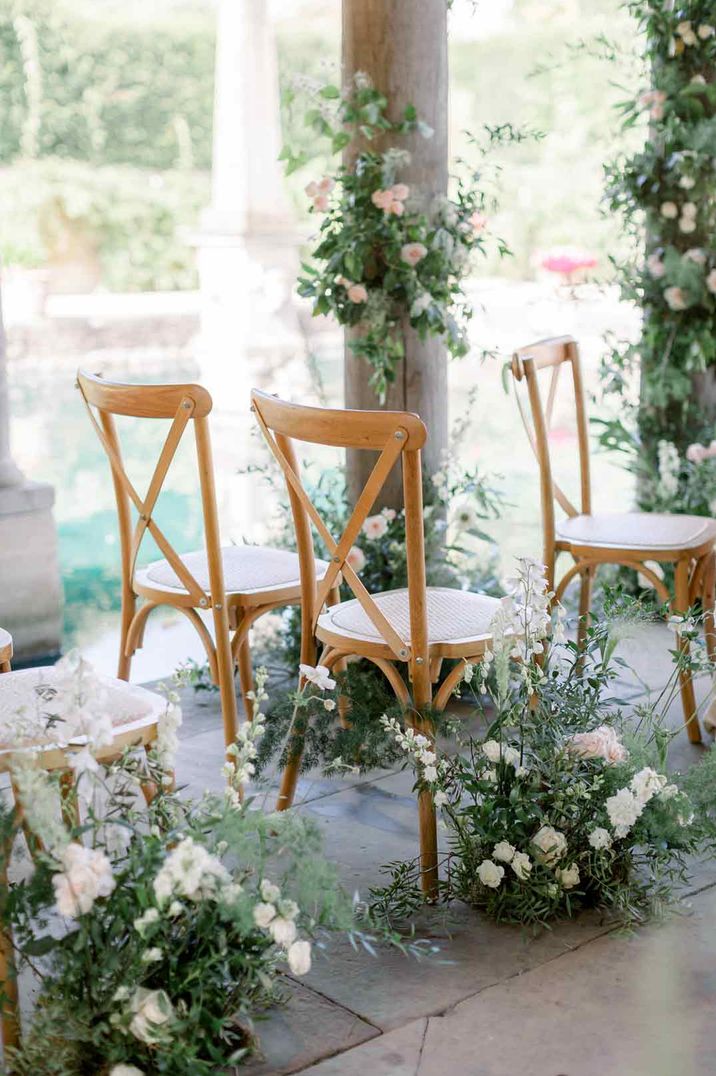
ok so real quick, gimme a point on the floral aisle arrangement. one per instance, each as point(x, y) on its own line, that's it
point(158, 933)
point(387, 253)
point(665, 192)
point(561, 806)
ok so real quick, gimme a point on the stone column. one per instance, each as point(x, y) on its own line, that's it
point(30, 591)
point(248, 252)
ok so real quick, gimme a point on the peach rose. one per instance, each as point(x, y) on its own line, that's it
point(357, 293)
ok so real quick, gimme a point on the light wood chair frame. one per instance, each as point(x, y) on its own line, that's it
point(694, 568)
point(234, 613)
point(394, 437)
point(139, 733)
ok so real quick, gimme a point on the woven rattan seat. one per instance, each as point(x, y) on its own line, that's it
point(26, 703)
point(248, 569)
point(637, 530)
point(454, 616)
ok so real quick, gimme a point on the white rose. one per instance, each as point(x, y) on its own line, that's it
point(263, 914)
point(490, 874)
point(522, 865)
point(87, 875)
point(125, 1070)
point(299, 957)
point(647, 783)
point(269, 891)
point(687, 183)
point(430, 774)
point(511, 756)
point(705, 31)
point(711, 281)
point(567, 877)
point(440, 798)
point(504, 851)
point(670, 210)
point(600, 838)
point(687, 225)
point(152, 1012)
point(283, 931)
point(551, 843)
point(491, 750)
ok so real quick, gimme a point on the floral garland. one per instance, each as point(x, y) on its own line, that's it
point(666, 191)
point(386, 254)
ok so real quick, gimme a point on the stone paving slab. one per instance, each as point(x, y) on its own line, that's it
point(306, 1028)
point(637, 1005)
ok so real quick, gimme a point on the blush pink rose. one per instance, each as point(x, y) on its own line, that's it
point(356, 558)
point(400, 191)
point(602, 742)
point(326, 185)
point(397, 208)
point(382, 199)
point(412, 253)
point(320, 203)
point(357, 293)
point(478, 222)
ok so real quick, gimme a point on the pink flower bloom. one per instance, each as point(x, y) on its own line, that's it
point(675, 298)
point(382, 199)
point(356, 558)
point(478, 222)
point(312, 189)
point(320, 203)
point(375, 527)
point(412, 253)
point(357, 293)
point(603, 742)
point(697, 453)
point(654, 101)
point(389, 514)
point(696, 254)
point(326, 185)
point(568, 260)
point(400, 191)
point(396, 208)
point(343, 281)
point(655, 266)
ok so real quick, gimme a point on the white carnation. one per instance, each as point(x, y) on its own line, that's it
point(647, 783)
point(600, 838)
point(623, 809)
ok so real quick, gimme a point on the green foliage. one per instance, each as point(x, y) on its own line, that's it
point(135, 224)
point(563, 805)
point(387, 259)
point(98, 87)
point(664, 194)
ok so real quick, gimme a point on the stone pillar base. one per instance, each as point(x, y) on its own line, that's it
point(30, 591)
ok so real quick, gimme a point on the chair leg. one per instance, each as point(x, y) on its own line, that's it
point(8, 971)
point(70, 805)
point(585, 604)
point(225, 672)
point(680, 606)
point(427, 819)
point(246, 676)
point(708, 600)
point(124, 662)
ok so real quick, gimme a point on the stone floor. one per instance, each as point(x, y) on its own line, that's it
point(577, 1000)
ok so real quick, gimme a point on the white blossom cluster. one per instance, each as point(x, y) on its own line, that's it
point(420, 749)
point(239, 766)
point(277, 916)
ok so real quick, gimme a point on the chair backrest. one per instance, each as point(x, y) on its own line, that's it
point(527, 364)
point(182, 404)
point(395, 435)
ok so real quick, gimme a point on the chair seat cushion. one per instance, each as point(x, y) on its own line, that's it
point(247, 569)
point(453, 615)
point(638, 530)
point(27, 710)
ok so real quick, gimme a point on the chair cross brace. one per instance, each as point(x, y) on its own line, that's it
point(559, 495)
point(145, 506)
point(340, 549)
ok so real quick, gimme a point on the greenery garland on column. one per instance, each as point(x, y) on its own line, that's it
point(667, 192)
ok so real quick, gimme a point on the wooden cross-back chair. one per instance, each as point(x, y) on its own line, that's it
point(136, 714)
point(415, 628)
point(237, 583)
point(632, 539)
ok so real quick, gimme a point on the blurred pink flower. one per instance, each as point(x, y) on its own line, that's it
point(400, 191)
point(412, 253)
point(356, 558)
point(478, 222)
point(357, 293)
point(382, 199)
point(675, 298)
point(568, 260)
point(320, 203)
